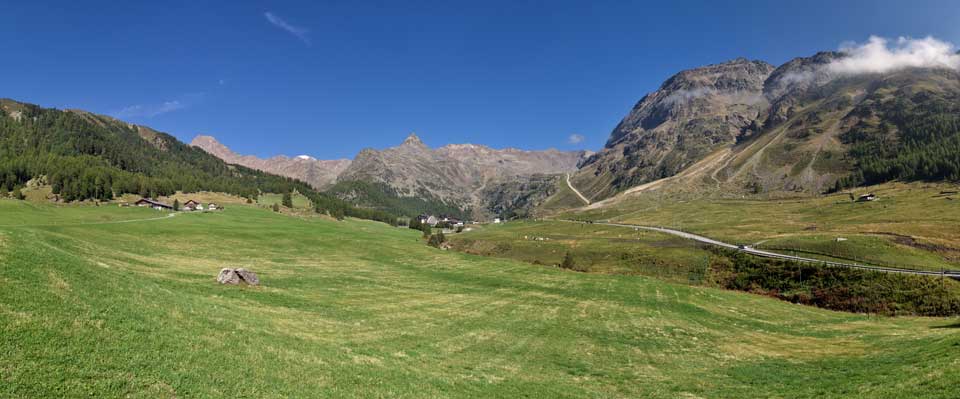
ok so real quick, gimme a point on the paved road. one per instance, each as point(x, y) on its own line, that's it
point(954, 274)
point(584, 199)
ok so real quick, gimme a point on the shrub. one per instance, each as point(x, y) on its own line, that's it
point(836, 288)
point(569, 263)
point(437, 240)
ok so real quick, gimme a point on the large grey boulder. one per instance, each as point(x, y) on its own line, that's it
point(248, 276)
point(236, 276)
point(228, 276)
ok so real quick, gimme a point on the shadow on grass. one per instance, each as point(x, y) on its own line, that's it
point(954, 325)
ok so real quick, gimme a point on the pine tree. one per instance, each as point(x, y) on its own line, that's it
point(276, 207)
point(568, 262)
point(287, 200)
point(176, 205)
point(437, 240)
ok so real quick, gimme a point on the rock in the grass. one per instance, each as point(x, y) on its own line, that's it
point(248, 276)
point(228, 276)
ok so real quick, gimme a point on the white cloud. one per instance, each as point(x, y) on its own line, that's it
point(152, 110)
point(300, 33)
point(878, 55)
point(575, 138)
point(685, 95)
point(149, 111)
point(797, 77)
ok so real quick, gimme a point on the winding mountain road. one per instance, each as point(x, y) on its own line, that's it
point(954, 274)
point(575, 191)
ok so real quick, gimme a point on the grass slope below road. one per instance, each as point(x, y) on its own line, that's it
point(911, 226)
point(360, 309)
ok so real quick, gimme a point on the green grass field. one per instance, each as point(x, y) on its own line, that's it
point(93, 306)
point(596, 248)
point(910, 226)
point(299, 201)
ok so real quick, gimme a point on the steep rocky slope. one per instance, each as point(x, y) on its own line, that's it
point(412, 177)
point(693, 113)
point(317, 172)
point(805, 127)
point(458, 174)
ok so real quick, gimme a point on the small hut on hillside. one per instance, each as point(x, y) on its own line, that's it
point(152, 203)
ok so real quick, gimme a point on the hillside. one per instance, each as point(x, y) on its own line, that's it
point(85, 156)
point(693, 113)
point(359, 309)
point(467, 180)
point(808, 126)
point(460, 176)
point(319, 173)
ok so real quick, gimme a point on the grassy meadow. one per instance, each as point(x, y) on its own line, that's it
point(122, 302)
point(911, 225)
point(596, 248)
point(299, 200)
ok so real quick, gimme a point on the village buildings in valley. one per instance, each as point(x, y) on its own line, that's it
point(440, 220)
point(188, 206)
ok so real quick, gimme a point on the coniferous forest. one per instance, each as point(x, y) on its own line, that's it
point(92, 157)
point(917, 138)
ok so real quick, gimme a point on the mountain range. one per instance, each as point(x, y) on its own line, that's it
point(318, 173)
point(454, 177)
point(812, 125)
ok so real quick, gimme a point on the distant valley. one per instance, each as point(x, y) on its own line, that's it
point(807, 127)
point(318, 173)
point(470, 179)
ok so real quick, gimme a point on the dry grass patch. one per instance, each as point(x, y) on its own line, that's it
point(755, 345)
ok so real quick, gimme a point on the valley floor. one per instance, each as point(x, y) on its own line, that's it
point(361, 309)
point(913, 226)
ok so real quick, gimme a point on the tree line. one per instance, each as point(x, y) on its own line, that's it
point(918, 139)
point(90, 157)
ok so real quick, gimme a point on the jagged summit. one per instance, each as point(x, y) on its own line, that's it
point(810, 125)
point(691, 113)
point(317, 172)
point(454, 174)
point(212, 145)
point(413, 140)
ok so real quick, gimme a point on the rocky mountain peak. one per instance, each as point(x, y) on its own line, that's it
point(692, 113)
point(212, 146)
point(799, 74)
point(413, 141)
point(692, 93)
point(318, 173)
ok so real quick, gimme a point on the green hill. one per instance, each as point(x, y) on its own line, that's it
point(118, 302)
point(88, 156)
point(742, 127)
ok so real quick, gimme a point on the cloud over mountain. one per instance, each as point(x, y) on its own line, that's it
point(878, 55)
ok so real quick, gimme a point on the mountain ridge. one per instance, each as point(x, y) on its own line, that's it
point(453, 176)
point(744, 127)
point(318, 173)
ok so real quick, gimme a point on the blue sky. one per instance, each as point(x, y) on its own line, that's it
point(328, 78)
